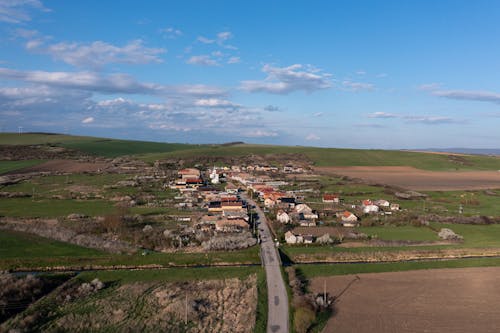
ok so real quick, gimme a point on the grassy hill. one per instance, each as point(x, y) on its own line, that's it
point(151, 151)
point(91, 145)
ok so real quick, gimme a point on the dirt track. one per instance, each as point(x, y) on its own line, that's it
point(420, 180)
point(439, 300)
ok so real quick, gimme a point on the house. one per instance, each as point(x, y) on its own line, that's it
point(290, 238)
point(287, 202)
point(189, 173)
point(269, 203)
point(194, 182)
point(231, 188)
point(370, 209)
point(215, 207)
point(282, 217)
point(382, 203)
point(228, 205)
point(231, 214)
point(349, 219)
point(308, 239)
point(394, 206)
point(306, 211)
point(303, 208)
point(207, 222)
point(307, 223)
point(330, 198)
point(231, 225)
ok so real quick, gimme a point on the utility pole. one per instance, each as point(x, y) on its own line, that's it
point(20, 130)
point(186, 310)
point(324, 293)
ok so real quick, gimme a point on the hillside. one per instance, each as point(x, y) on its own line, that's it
point(151, 151)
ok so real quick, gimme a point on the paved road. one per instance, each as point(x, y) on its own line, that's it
point(277, 321)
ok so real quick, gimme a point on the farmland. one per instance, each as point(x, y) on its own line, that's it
point(457, 300)
point(420, 180)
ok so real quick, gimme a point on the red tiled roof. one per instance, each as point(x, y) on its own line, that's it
point(330, 196)
point(347, 214)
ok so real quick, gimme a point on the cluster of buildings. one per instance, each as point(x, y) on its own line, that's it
point(224, 210)
point(216, 195)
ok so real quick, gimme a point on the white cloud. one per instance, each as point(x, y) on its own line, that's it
point(171, 33)
point(259, 133)
point(219, 39)
point(431, 120)
point(205, 40)
point(233, 60)
point(318, 114)
point(272, 108)
point(289, 79)
point(215, 102)
point(361, 72)
point(383, 115)
point(18, 11)
point(225, 35)
point(430, 86)
point(203, 60)
point(428, 120)
point(357, 86)
point(312, 137)
point(108, 84)
point(99, 53)
point(480, 96)
point(88, 120)
point(464, 95)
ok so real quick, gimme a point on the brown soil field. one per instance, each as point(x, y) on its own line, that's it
point(438, 300)
point(66, 166)
point(419, 180)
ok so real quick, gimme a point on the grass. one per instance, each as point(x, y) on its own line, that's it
point(151, 151)
point(312, 271)
point(26, 207)
point(344, 157)
point(21, 250)
point(170, 274)
point(474, 235)
point(401, 233)
point(22, 245)
point(51, 185)
point(262, 305)
point(92, 145)
point(8, 166)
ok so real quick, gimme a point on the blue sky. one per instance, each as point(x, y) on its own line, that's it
point(360, 74)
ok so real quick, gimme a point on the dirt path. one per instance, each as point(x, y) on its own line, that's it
point(438, 300)
point(419, 180)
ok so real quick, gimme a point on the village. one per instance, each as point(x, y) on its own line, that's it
point(295, 214)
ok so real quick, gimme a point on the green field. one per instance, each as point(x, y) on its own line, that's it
point(22, 250)
point(170, 274)
point(311, 271)
point(27, 207)
point(7, 166)
point(409, 233)
point(92, 145)
point(474, 235)
point(18, 245)
point(344, 157)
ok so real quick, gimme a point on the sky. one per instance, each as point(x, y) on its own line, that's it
point(352, 74)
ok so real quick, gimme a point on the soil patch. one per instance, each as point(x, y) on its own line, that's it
point(438, 300)
point(419, 180)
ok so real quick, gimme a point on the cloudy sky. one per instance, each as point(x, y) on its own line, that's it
point(361, 74)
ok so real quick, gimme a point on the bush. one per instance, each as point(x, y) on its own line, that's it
point(303, 318)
